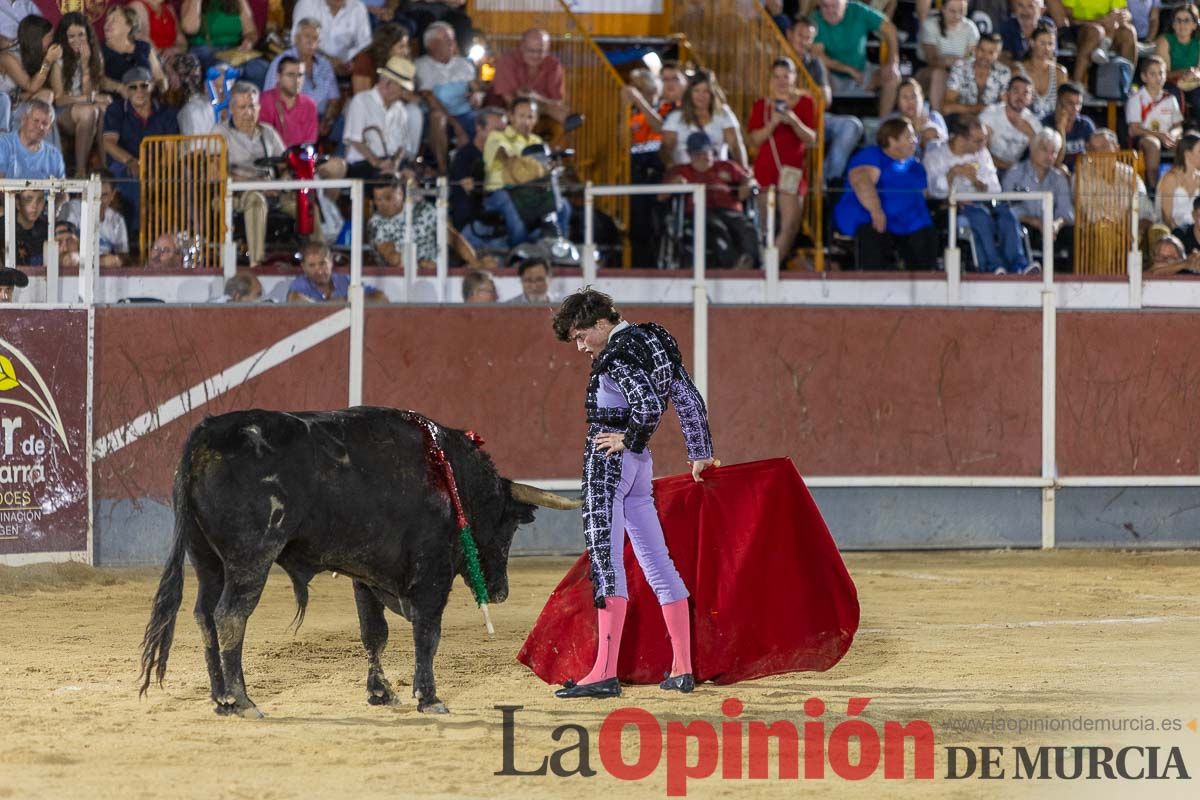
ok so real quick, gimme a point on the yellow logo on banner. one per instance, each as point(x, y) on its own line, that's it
point(45, 408)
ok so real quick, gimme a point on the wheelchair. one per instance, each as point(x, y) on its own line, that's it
point(674, 228)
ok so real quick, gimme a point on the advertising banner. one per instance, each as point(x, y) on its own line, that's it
point(44, 451)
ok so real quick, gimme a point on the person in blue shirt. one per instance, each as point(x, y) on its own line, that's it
point(24, 153)
point(885, 211)
point(319, 283)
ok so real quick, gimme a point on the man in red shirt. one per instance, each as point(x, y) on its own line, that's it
point(289, 111)
point(727, 187)
point(532, 71)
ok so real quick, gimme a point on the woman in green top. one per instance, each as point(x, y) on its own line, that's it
point(1180, 48)
point(214, 27)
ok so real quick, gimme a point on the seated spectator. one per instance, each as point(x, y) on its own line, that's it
point(977, 83)
point(422, 13)
point(467, 178)
point(215, 27)
point(32, 228)
point(389, 41)
point(1100, 27)
point(1153, 116)
point(1120, 189)
point(165, 253)
point(126, 124)
point(319, 81)
point(288, 110)
point(26, 63)
point(447, 83)
point(963, 164)
point(946, 39)
point(911, 106)
point(1038, 174)
point(1181, 184)
point(1187, 234)
point(10, 281)
point(503, 149)
point(243, 287)
point(113, 233)
point(842, 132)
point(386, 230)
point(727, 186)
point(66, 240)
point(196, 116)
point(1068, 119)
point(535, 274)
point(123, 51)
point(1016, 34)
point(248, 140)
point(533, 71)
point(886, 211)
point(477, 287)
point(704, 109)
point(1144, 15)
point(781, 128)
point(345, 28)
point(842, 30)
point(76, 81)
point(1179, 49)
point(158, 25)
point(1043, 70)
point(319, 283)
point(644, 93)
point(1011, 123)
point(377, 133)
point(25, 153)
point(1170, 258)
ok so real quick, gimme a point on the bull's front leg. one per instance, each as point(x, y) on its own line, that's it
point(373, 628)
point(427, 630)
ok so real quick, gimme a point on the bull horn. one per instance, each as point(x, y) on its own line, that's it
point(524, 493)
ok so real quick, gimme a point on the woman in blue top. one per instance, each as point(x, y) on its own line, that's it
point(886, 211)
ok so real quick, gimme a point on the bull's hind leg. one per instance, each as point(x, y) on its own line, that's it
point(373, 628)
point(211, 579)
point(240, 595)
point(427, 631)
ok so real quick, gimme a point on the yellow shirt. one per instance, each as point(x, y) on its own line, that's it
point(1088, 10)
point(512, 143)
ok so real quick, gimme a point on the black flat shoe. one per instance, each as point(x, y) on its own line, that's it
point(606, 688)
point(680, 683)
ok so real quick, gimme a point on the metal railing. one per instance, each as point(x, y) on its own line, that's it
point(89, 235)
point(182, 181)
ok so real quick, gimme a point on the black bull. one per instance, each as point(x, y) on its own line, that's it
point(354, 492)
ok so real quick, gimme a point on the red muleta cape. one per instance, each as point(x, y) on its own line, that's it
point(770, 593)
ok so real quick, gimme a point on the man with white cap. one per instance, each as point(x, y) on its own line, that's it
point(377, 135)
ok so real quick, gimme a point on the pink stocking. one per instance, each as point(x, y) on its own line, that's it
point(678, 625)
point(612, 621)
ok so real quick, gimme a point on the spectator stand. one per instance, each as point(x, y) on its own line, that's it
point(740, 48)
point(89, 224)
point(602, 144)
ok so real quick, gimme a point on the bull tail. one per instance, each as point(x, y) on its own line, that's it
point(160, 630)
point(300, 589)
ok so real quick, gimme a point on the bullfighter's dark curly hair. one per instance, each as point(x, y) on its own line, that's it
point(583, 310)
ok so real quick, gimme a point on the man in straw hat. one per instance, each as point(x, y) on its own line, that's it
point(377, 123)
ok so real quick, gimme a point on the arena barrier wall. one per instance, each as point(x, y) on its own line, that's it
point(883, 397)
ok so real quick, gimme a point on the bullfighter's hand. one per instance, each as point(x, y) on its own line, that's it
point(612, 442)
point(701, 465)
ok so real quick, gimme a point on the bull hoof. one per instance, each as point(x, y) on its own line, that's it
point(382, 699)
point(436, 707)
point(225, 710)
point(251, 712)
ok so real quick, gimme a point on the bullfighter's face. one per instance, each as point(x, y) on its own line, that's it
point(592, 340)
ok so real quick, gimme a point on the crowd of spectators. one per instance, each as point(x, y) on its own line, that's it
point(970, 96)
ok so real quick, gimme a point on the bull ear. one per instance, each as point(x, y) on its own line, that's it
point(523, 493)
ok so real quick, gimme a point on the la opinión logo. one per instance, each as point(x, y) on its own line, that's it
point(736, 741)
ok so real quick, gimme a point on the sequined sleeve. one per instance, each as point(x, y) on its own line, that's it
point(693, 416)
point(645, 406)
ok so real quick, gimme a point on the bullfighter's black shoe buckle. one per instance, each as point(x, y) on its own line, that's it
point(680, 683)
point(610, 687)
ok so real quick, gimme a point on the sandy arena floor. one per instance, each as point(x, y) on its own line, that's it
point(951, 638)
